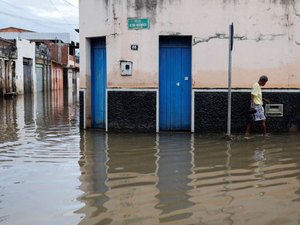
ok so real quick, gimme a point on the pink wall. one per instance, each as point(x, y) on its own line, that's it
point(267, 41)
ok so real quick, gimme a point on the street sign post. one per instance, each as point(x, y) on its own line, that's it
point(231, 34)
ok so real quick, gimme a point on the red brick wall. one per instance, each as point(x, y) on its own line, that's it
point(64, 54)
point(57, 77)
point(54, 52)
point(59, 52)
point(6, 43)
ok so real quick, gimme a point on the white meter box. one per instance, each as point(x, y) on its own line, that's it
point(274, 110)
point(126, 68)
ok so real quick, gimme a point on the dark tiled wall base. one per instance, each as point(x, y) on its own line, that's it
point(211, 112)
point(136, 111)
point(132, 111)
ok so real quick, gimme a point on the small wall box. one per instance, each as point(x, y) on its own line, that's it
point(274, 110)
point(126, 68)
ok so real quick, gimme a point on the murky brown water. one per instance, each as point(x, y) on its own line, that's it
point(51, 173)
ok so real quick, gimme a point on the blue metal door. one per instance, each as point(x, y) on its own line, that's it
point(98, 82)
point(175, 83)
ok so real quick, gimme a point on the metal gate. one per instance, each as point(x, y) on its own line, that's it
point(27, 74)
point(39, 77)
point(175, 83)
point(98, 82)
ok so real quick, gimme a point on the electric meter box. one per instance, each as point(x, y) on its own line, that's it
point(274, 110)
point(126, 68)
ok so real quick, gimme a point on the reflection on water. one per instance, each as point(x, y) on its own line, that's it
point(173, 169)
point(179, 178)
point(51, 173)
point(39, 151)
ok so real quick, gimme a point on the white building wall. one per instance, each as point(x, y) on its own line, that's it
point(25, 50)
point(267, 40)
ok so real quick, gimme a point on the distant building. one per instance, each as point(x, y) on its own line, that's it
point(16, 67)
point(163, 65)
point(8, 55)
point(25, 64)
point(55, 67)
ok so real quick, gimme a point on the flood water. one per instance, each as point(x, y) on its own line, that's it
point(53, 173)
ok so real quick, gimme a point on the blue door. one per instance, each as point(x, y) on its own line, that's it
point(174, 83)
point(98, 82)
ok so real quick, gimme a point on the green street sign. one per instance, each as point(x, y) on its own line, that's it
point(137, 24)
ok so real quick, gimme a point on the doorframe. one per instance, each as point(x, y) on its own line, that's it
point(27, 62)
point(91, 58)
point(192, 107)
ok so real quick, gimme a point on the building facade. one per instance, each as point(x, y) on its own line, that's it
point(17, 67)
point(8, 55)
point(43, 67)
point(25, 67)
point(163, 65)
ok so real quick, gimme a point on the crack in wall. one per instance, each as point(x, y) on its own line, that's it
point(170, 33)
point(198, 40)
point(113, 34)
point(261, 37)
point(268, 37)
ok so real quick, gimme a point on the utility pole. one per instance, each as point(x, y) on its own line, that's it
point(231, 34)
